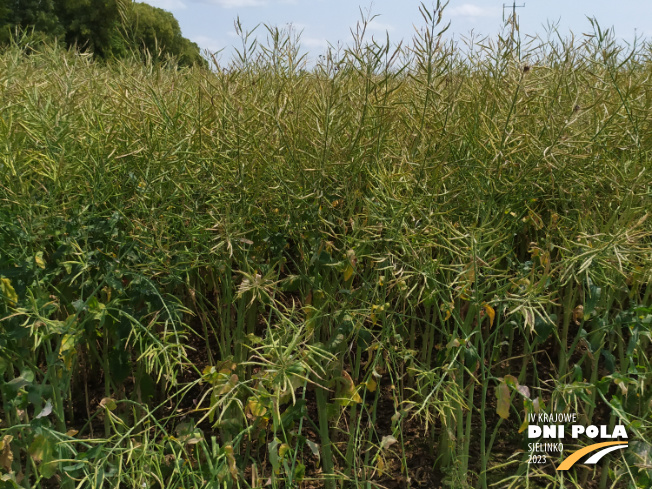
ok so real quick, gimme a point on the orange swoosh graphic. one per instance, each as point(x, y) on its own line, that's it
point(570, 461)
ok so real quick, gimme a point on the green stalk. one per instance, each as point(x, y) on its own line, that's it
point(353, 415)
point(430, 328)
point(569, 300)
point(322, 413)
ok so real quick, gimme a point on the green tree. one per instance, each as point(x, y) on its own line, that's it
point(157, 31)
point(5, 25)
point(108, 28)
point(90, 24)
point(41, 15)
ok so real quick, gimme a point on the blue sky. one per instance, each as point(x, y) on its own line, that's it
point(210, 22)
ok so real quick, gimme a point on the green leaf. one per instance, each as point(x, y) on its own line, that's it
point(119, 364)
point(299, 472)
point(294, 413)
point(633, 341)
point(591, 301)
point(609, 361)
point(48, 469)
point(42, 449)
point(544, 327)
point(146, 386)
point(75, 467)
point(273, 454)
point(332, 411)
point(26, 377)
point(578, 374)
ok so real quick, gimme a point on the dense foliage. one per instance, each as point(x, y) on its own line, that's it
point(158, 32)
point(108, 28)
point(366, 274)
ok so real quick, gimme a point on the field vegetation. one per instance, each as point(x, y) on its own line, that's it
point(361, 273)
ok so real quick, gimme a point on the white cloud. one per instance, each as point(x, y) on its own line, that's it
point(237, 3)
point(168, 4)
point(471, 10)
point(209, 43)
point(374, 25)
point(313, 42)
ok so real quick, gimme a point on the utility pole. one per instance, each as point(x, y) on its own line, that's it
point(513, 6)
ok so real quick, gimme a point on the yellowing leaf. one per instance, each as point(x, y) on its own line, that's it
point(38, 259)
point(578, 314)
point(108, 403)
point(348, 272)
point(6, 455)
point(256, 408)
point(491, 313)
point(347, 394)
point(470, 273)
point(229, 385)
point(502, 407)
point(356, 398)
point(8, 292)
point(283, 449)
point(67, 350)
point(42, 449)
point(233, 468)
point(380, 465)
point(351, 262)
point(448, 309)
point(371, 385)
point(545, 259)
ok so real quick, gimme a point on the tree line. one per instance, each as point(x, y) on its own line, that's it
point(108, 28)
